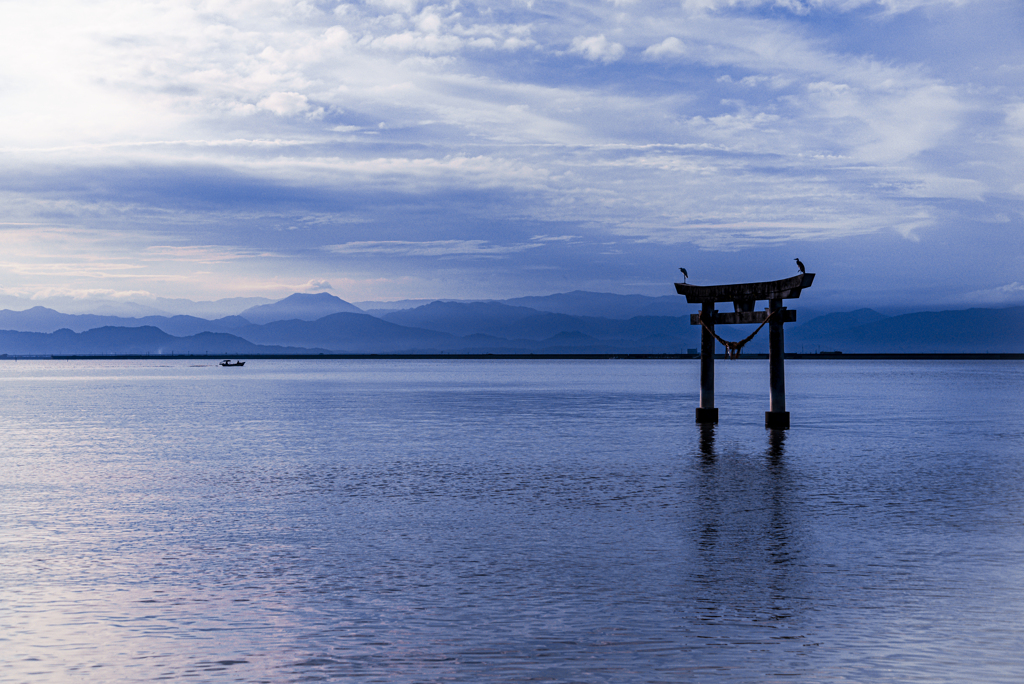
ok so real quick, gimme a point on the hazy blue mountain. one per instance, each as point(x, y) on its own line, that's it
point(833, 323)
point(495, 327)
point(158, 306)
point(303, 307)
point(604, 305)
point(490, 343)
point(98, 307)
point(668, 305)
point(42, 319)
point(379, 309)
point(138, 340)
point(352, 333)
point(219, 308)
point(522, 323)
point(463, 318)
point(469, 328)
point(492, 327)
point(571, 338)
point(578, 303)
point(45, 320)
point(965, 331)
point(190, 325)
point(348, 332)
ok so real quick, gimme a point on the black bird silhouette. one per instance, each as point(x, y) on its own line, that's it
point(685, 274)
point(800, 265)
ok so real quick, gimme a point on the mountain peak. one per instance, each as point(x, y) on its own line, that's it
point(302, 297)
point(301, 306)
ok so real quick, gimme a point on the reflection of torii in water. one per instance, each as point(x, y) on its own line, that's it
point(733, 348)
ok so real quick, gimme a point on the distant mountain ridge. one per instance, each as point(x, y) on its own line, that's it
point(348, 332)
point(139, 340)
point(976, 331)
point(604, 305)
point(43, 320)
point(833, 323)
point(457, 318)
point(521, 323)
point(159, 306)
point(299, 306)
point(496, 327)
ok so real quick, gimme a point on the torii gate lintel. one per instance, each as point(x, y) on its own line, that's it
point(743, 297)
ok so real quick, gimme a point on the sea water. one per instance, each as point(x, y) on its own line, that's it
point(510, 521)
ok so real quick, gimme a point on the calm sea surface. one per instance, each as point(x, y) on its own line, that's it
point(510, 521)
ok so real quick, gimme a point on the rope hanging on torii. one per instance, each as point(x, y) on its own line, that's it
point(734, 348)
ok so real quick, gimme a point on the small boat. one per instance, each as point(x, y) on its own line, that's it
point(229, 362)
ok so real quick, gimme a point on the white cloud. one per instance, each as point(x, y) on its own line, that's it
point(414, 41)
point(202, 254)
point(670, 47)
point(403, 6)
point(773, 129)
point(556, 238)
point(1006, 294)
point(284, 104)
point(317, 286)
point(432, 248)
point(597, 48)
point(801, 7)
point(515, 43)
point(95, 293)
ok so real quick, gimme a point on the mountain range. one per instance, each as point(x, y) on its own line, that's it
point(574, 322)
point(303, 307)
point(137, 340)
point(979, 331)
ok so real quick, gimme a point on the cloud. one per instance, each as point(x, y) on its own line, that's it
point(515, 43)
point(802, 7)
point(555, 238)
point(317, 286)
point(433, 248)
point(597, 48)
point(185, 144)
point(668, 48)
point(415, 41)
point(284, 104)
point(80, 294)
point(1015, 116)
point(1006, 294)
point(204, 254)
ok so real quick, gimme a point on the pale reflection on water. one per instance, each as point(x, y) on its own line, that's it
point(510, 521)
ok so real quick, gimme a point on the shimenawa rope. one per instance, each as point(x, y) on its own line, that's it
point(733, 348)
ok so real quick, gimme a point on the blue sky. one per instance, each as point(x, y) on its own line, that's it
point(400, 149)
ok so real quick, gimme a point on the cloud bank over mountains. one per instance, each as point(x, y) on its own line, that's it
point(402, 149)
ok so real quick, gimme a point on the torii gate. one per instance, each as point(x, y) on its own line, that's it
point(743, 297)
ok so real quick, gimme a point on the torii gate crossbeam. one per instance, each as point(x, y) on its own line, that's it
point(743, 297)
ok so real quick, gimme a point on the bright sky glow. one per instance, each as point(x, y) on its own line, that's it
point(401, 149)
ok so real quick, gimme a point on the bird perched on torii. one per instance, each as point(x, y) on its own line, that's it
point(685, 274)
point(800, 265)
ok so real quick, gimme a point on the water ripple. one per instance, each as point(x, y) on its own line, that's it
point(510, 521)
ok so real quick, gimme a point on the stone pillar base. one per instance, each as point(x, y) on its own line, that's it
point(707, 415)
point(776, 420)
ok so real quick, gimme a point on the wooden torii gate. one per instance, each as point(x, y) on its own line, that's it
point(743, 296)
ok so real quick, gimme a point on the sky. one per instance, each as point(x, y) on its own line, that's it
point(398, 149)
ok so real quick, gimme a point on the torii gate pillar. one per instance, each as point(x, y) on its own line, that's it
point(706, 412)
point(776, 417)
point(743, 298)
